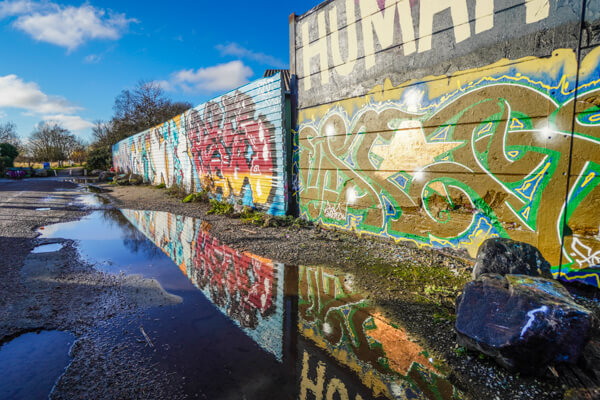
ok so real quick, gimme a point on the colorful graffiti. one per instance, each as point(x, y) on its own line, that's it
point(246, 288)
point(340, 321)
point(452, 161)
point(233, 147)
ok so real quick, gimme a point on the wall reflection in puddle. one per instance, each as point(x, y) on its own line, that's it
point(243, 286)
point(339, 345)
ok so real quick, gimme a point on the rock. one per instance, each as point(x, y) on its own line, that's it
point(135, 179)
point(269, 221)
point(505, 256)
point(96, 172)
point(525, 323)
point(122, 179)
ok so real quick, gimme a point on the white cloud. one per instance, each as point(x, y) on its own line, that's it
point(70, 122)
point(16, 93)
point(69, 26)
point(19, 7)
point(2, 114)
point(234, 49)
point(28, 97)
point(211, 79)
point(92, 59)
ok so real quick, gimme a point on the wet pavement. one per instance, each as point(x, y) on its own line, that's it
point(249, 327)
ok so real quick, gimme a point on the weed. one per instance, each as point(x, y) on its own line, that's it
point(219, 208)
point(251, 216)
point(177, 191)
point(200, 197)
point(160, 186)
point(460, 351)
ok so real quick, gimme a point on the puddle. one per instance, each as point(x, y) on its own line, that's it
point(43, 209)
point(47, 248)
point(250, 327)
point(90, 201)
point(32, 363)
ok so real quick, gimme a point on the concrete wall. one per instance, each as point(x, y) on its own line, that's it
point(447, 122)
point(233, 146)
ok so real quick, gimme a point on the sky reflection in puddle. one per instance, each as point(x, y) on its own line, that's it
point(47, 248)
point(32, 363)
point(250, 327)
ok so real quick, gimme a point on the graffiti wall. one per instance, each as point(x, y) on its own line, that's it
point(245, 287)
point(444, 123)
point(233, 147)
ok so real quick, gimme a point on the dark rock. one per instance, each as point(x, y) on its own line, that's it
point(122, 179)
point(525, 323)
point(135, 179)
point(505, 256)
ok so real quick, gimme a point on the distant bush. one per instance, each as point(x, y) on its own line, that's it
point(8, 153)
point(99, 158)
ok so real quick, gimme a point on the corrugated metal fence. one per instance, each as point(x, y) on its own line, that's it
point(232, 146)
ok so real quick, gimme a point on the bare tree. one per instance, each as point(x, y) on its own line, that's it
point(8, 134)
point(136, 110)
point(141, 108)
point(52, 142)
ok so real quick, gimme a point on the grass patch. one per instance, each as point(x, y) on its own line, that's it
point(220, 208)
point(251, 216)
point(160, 186)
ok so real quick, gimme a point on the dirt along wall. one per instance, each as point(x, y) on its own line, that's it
point(233, 147)
point(447, 122)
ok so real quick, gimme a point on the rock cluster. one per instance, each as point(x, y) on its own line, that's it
point(515, 314)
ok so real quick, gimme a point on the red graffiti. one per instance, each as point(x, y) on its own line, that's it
point(238, 281)
point(228, 141)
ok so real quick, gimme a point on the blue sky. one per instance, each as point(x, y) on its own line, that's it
point(66, 61)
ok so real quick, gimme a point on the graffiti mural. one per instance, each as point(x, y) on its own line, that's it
point(246, 288)
point(340, 321)
point(452, 161)
point(233, 147)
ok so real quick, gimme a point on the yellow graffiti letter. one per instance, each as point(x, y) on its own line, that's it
point(342, 67)
point(319, 48)
point(336, 386)
point(537, 10)
point(484, 15)
point(460, 19)
point(306, 384)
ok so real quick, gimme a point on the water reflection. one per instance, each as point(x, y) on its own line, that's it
point(329, 336)
point(243, 286)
